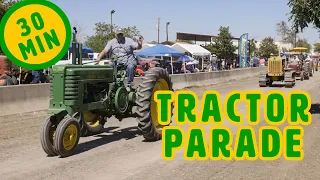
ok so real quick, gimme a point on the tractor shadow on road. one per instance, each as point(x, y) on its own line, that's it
point(277, 85)
point(315, 108)
point(125, 133)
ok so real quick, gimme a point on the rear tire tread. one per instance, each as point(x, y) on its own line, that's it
point(144, 94)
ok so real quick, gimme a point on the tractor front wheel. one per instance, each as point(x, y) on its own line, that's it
point(156, 79)
point(47, 134)
point(67, 136)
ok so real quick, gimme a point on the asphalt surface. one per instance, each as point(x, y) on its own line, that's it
point(120, 153)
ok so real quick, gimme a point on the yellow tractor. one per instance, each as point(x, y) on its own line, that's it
point(277, 71)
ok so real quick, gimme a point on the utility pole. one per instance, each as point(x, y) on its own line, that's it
point(113, 11)
point(167, 30)
point(158, 30)
point(295, 39)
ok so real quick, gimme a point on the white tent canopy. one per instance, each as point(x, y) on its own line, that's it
point(147, 46)
point(193, 49)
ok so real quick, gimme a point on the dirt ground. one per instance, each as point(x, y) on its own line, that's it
point(120, 153)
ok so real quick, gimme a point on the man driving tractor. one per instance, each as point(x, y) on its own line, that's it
point(123, 47)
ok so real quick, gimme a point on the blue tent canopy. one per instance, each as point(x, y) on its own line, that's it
point(84, 49)
point(185, 58)
point(159, 50)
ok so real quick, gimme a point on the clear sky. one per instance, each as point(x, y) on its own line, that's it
point(257, 17)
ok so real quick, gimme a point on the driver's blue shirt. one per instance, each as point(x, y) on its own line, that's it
point(124, 49)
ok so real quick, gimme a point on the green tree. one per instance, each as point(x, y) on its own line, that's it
point(304, 13)
point(283, 49)
point(153, 42)
point(316, 47)
point(304, 43)
point(268, 46)
point(252, 48)
point(132, 32)
point(222, 45)
point(287, 34)
point(186, 41)
point(103, 34)
point(4, 6)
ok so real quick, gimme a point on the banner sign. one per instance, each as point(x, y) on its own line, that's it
point(243, 51)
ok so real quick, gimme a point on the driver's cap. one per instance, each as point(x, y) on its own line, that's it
point(119, 31)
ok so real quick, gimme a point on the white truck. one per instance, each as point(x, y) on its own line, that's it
point(88, 59)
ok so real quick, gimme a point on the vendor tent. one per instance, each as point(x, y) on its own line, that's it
point(193, 49)
point(147, 46)
point(160, 50)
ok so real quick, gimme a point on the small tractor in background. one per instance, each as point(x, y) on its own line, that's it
point(304, 67)
point(298, 68)
point(277, 71)
point(83, 97)
point(307, 67)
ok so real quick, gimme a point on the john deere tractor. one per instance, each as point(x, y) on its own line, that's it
point(277, 71)
point(82, 97)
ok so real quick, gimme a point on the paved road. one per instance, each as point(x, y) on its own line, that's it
point(119, 153)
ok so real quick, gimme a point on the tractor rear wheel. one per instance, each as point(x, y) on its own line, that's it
point(47, 135)
point(67, 136)
point(147, 111)
point(90, 123)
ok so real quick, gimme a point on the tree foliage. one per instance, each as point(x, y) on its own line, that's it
point(283, 49)
point(222, 45)
point(153, 42)
point(267, 47)
point(252, 48)
point(186, 41)
point(304, 43)
point(103, 34)
point(287, 34)
point(316, 47)
point(304, 12)
point(4, 6)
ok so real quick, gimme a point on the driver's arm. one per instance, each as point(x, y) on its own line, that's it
point(136, 45)
point(105, 51)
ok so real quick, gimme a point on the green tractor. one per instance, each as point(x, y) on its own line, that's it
point(82, 97)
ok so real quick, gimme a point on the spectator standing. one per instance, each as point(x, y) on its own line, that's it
point(36, 76)
point(214, 60)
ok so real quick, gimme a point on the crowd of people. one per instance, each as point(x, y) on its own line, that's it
point(11, 74)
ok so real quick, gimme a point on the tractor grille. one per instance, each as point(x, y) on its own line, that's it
point(51, 87)
point(275, 67)
point(71, 88)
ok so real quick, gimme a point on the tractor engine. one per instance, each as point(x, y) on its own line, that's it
point(79, 87)
point(95, 92)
